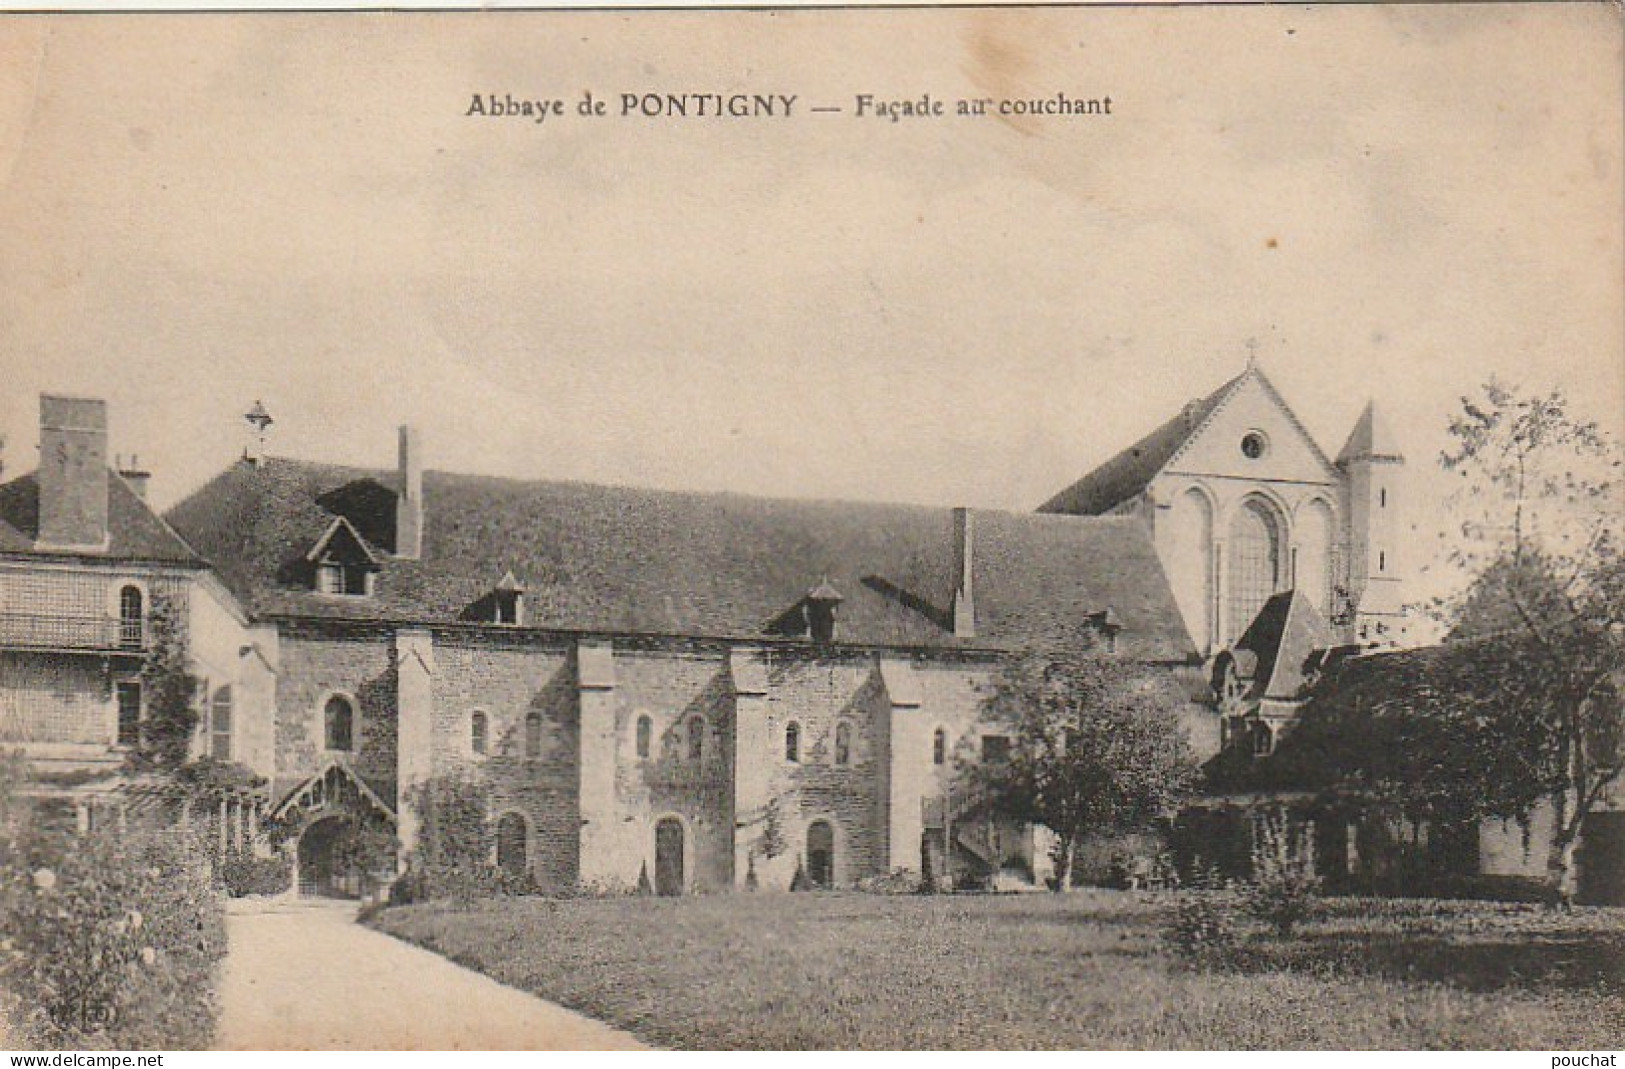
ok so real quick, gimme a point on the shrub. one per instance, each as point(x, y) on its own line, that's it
point(896, 882)
point(1203, 931)
point(113, 940)
point(244, 874)
point(1284, 890)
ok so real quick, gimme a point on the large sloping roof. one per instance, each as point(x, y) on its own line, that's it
point(1288, 637)
point(1128, 473)
point(596, 558)
point(134, 531)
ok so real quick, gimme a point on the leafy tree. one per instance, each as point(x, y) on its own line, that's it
point(1521, 706)
point(1543, 618)
point(1095, 745)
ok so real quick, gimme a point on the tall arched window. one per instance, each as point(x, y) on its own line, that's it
point(220, 725)
point(479, 732)
point(646, 729)
point(131, 617)
point(1255, 562)
point(696, 738)
point(843, 743)
point(1263, 740)
point(1190, 562)
point(340, 723)
point(533, 735)
point(792, 741)
point(939, 747)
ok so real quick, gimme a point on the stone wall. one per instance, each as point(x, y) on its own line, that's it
point(675, 689)
point(315, 666)
point(525, 687)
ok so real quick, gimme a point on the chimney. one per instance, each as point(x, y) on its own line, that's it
point(964, 560)
point(72, 473)
point(409, 504)
point(134, 476)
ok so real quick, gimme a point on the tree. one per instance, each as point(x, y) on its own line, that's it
point(1539, 629)
point(1095, 745)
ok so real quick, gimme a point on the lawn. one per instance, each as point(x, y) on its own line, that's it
point(1085, 970)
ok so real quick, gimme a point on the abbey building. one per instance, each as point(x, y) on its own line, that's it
point(703, 691)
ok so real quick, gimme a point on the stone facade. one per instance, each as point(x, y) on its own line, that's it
point(594, 743)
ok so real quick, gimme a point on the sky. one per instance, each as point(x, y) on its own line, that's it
point(1391, 203)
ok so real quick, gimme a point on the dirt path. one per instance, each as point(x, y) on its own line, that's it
point(304, 976)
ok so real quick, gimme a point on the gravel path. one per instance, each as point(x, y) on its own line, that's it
point(305, 976)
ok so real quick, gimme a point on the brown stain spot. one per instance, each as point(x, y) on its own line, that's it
point(999, 60)
point(1271, 243)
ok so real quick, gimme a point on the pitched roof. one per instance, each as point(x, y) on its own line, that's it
point(134, 531)
point(597, 558)
point(1288, 637)
point(1128, 473)
point(1371, 437)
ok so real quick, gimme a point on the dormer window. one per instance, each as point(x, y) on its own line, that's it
point(1106, 626)
point(508, 601)
point(342, 562)
point(821, 603)
point(338, 577)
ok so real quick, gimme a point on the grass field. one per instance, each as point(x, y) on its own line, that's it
point(1085, 970)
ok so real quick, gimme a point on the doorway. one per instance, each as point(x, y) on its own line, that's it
point(821, 854)
point(669, 875)
point(325, 869)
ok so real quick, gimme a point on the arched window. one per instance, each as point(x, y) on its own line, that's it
point(131, 617)
point(479, 732)
point(1255, 562)
point(696, 738)
point(533, 735)
point(792, 742)
point(646, 729)
point(939, 747)
point(512, 845)
point(340, 723)
point(843, 743)
point(220, 725)
point(1263, 740)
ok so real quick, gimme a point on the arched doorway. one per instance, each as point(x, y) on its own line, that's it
point(821, 854)
point(669, 874)
point(512, 846)
point(326, 868)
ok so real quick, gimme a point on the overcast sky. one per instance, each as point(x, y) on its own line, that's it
point(198, 211)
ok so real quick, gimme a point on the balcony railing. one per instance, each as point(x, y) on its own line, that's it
point(31, 631)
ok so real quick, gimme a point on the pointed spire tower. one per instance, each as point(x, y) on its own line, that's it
point(1374, 611)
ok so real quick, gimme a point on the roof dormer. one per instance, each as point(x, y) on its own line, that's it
point(508, 601)
point(342, 563)
point(821, 603)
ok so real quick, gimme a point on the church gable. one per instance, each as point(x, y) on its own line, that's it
point(1251, 434)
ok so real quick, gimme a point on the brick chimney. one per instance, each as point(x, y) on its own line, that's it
point(964, 561)
point(409, 504)
point(72, 473)
point(135, 476)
